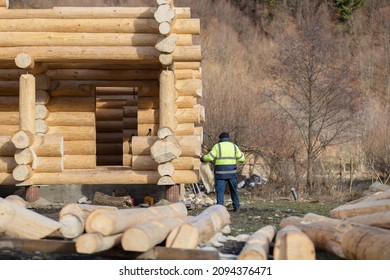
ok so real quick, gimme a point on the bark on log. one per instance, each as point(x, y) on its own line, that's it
point(165, 150)
point(200, 228)
point(73, 217)
point(16, 221)
point(91, 243)
point(27, 103)
point(258, 244)
point(90, 13)
point(108, 222)
point(109, 200)
point(292, 244)
point(362, 208)
point(145, 236)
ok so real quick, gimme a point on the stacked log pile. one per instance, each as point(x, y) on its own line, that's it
point(358, 230)
point(96, 228)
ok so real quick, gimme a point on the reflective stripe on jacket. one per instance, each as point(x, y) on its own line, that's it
point(225, 155)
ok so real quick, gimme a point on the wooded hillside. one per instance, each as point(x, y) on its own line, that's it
point(255, 83)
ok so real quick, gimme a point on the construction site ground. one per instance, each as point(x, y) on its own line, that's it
point(255, 213)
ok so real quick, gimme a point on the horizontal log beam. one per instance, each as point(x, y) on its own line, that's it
point(89, 13)
point(120, 176)
point(107, 53)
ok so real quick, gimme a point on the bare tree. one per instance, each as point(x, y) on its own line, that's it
point(312, 86)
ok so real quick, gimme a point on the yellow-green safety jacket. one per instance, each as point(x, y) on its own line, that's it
point(225, 155)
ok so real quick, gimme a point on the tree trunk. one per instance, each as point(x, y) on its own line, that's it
point(292, 244)
point(91, 243)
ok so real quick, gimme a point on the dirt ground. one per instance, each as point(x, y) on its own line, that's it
point(255, 214)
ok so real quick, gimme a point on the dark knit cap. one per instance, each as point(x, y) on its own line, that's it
point(224, 135)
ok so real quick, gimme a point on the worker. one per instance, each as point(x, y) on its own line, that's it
point(225, 155)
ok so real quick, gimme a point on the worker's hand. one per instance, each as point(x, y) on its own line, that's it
point(201, 159)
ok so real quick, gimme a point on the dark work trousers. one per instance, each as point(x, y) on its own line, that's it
point(220, 190)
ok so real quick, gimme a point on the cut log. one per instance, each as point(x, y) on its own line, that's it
point(42, 97)
point(27, 103)
point(41, 112)
point(8, 130)
point(165, 150)
point(17, 200)
point(10, 118)
point(184, 74)
point(25, 156)
point(124, 176)
point(258, 244)
point(164, 13)
point(71, 104)
point(51, 54)
point(73, 133)
point(23, 139)
point(7, 148)
point(24, 61)
point(79, 147)
point(166, 181)
point(292, 244)
point(166, 59)
point(41, 127)
point(98, 74)
point(109, 200)
point(4, 3)
point(89, 13)
point(166, 169)
point(108, 222)
point(48, 145)
point(200, 228)
point(191, 115)
point(85, 39)
point(109, 137)
point(163, 132)
point(167, 100)
point(73, 216)
point(9, 103)
point(189, 87)
point(48, 164)
point(22, 172)
point(71, 119)
point(167, 44)
point(147, 163)
point(377, 219)
point(145, 236)
point(79, 161)
point(109, 126)
point(91, 243)
point(190, 145)
point(42, 82)
point(109, 149)
point(330, 235)
point(7, 164)
point(103, 114)
point(18, 222)
point(361, 208)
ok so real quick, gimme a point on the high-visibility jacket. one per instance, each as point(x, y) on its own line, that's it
point(225, 155)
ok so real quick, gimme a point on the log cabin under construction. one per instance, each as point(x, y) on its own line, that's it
point(100, 95)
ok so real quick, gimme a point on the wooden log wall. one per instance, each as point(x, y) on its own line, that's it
point(84, 61)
